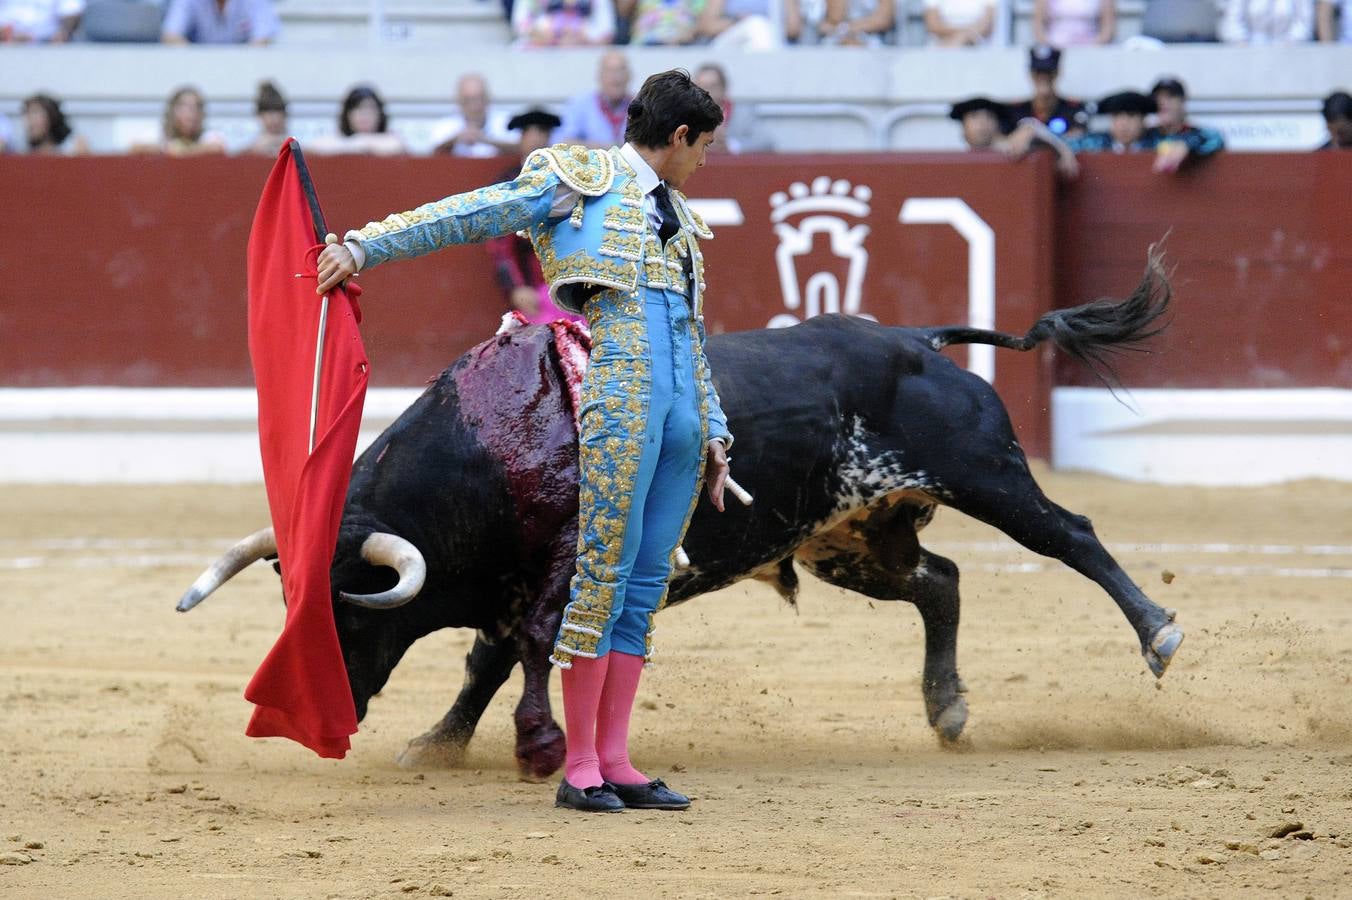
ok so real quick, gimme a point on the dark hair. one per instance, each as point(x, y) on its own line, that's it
point(356, 96)
point(1170, 85)
point(170, 132)
point(1337, 105)
point(58, 129)
point(667, 101)
point(269, 99)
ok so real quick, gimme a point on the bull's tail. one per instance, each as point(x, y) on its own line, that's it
point(1090, 333)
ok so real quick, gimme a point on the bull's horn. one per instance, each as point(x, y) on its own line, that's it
point(260, 544)
point(383, 549)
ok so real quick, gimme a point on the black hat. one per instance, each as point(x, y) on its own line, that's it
point(1042, 58)
point(976, 104)
point(1170, 85)
point(1127, 102)
point(536, 117)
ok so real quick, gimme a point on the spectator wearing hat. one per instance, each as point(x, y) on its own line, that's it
point(1338, 118)
point(1064, 118)
point(1126, 125)
point(474, 131)
point(1173, 137)
point(1267, 21)
point(518, 268)
point(270, 108)
point(1333, 20)
point(220, 22)
point(959, 23)
point(1070, 23)
point(984, 123)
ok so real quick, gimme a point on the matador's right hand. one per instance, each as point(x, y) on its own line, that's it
point(336, 265)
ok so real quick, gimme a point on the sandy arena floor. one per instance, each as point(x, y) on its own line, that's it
point(802, 734)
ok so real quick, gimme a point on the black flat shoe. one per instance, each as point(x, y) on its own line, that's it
point(601, 798)
point(653, 795)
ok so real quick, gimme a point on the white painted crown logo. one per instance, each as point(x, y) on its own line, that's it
point(827, 207)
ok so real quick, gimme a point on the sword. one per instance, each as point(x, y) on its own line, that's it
point(321, 233)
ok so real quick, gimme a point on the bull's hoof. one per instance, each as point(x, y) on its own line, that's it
point(949, 723)
point(540, 755)
point(1162, 648)
point(432, 751)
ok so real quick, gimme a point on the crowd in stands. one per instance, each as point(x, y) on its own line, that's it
point(741, 24)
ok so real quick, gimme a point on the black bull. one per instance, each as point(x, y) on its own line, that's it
point(848, 434)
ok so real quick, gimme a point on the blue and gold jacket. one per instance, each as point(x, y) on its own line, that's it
point(603, 240)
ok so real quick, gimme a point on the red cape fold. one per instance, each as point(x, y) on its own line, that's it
point(301, 689)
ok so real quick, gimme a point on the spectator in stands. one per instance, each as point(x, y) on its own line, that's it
point(1066, 118)
point(1334, 20)
point(1180, 21)
point(597, 118)
point(475, 130)
point(985, 123)
point(1068, 23)
point(661, 23)
point(740, 133)
point(1126, 125)
point(363, 127)
point(46, 129)
point(959, 23)
point(1267, 21)
point(39, 21)
point(1174, 139)
point(220, 22)
point(184, 125)
point(1338, 118)
point(563, 23)
point(270, 108)
point(856, 23)
point(754, 25)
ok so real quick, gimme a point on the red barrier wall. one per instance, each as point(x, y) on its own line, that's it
point(130, 271)
point(1262, 249)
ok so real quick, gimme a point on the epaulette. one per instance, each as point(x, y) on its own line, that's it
point(587, 171)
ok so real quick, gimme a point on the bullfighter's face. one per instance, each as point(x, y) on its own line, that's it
point(684, 158)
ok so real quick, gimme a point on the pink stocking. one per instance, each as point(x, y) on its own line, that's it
point(582, 685)
point(612, 724)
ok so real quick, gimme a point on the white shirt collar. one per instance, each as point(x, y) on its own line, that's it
point(643, 173)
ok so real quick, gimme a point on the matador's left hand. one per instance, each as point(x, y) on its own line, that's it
point(716, 471)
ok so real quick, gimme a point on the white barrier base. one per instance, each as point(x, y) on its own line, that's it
point(147, 435)
point(1205, 437)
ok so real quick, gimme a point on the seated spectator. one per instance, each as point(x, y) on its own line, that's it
point(1267, 21)
point(661, 23)
point(363, 128)
point(597, 118)
point(39, 21)
point(1180, 21)
point(1126, 125)
point(270, 108)
point(1338, 117)
point(740, 133)
point(185, 133)
point(1068, 23)
point(47, 131)
point(857, 23)
point(474, 131)
point(1334, 21)
point(220, 22)
point(563, 23)
point(984, 124)
point(1173, 137)
point(1061, 116)
point(959, 23)
point(754, 25)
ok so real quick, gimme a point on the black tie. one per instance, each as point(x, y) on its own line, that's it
point(667, 211)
